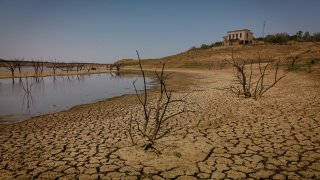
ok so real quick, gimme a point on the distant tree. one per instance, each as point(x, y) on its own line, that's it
point(259, 38)
point(316, 36)
point(215, 44)
point(41, 67)
point(36, 67)
point(204, 46)
point(79, 66)
point(279, 38)
point(269, 39)
point(54, 65)
point(117, 65)
point(88, 67)
point(293, 37)
point(299, 35)
point(218, 43)
point(19, 63)
point(11, 66)
point(193, 48)
point(69, 67)
point(306, 36)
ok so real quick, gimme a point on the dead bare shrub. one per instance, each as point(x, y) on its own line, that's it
point(54, 66)
point(158, 118)
point(11, 66)
point(250, 83)
point(37, 67)
point(19, 63)
point(116, 65)
point(27, 97)
point(69, 67)
point(293, 58)
point(79, 66)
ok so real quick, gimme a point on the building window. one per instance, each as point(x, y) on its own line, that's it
point(237, 36)
point(232, 36)
point(247, 35)
point(240, 35)
point(229, 36)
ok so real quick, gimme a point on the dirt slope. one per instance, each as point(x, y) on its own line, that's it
point(215, 57)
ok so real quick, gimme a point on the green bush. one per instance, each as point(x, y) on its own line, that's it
point(279, 38)
point(216, 44)
point(205, 46)
point(193, 48)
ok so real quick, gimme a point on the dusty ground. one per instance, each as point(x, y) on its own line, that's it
point(277, 136)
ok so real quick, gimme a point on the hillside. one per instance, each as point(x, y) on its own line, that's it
point(215, 57)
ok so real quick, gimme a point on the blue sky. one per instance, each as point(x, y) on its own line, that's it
point(104, 31)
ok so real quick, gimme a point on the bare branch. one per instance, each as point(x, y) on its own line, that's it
point(250, 87)
point(156, 121)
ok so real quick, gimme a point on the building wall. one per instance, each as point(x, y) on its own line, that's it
point(240, 35)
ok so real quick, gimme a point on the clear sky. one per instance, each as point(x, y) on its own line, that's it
point(104, 31)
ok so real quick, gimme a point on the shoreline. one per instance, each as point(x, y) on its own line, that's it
point(133, 69)
point(148, 71)
point(23, 117)
point(5, 119)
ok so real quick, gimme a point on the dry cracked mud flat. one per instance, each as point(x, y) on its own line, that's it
point(275, 137)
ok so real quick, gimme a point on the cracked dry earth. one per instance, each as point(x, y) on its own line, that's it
point(274, 137)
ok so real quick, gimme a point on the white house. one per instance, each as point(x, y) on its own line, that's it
point(237, 37)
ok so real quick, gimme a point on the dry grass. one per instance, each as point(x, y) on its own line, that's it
point(215, 58)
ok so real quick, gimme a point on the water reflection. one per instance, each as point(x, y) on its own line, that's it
point(38, 95)
point(25, 69)
point(115, 75)
point(27, 99)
